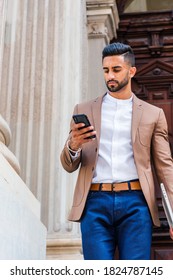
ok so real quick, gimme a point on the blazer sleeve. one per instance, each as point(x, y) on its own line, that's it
point(161, 154)
point(67, 162)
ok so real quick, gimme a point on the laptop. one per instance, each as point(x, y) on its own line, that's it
point(166, 205)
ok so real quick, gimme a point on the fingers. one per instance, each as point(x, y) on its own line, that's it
point(81, 135)
point(79, 130)
point(77, 126)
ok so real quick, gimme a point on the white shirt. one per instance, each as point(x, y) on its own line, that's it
point(115, 158)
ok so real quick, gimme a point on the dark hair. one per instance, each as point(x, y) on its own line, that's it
point(120, 49)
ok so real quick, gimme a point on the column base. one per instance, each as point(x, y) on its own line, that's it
point(64, 249)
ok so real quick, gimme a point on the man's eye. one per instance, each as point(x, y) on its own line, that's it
point(116, 70)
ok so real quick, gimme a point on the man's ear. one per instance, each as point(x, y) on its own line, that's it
point(132, 71)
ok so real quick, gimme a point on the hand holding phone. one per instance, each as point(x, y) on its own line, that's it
point(82, 118)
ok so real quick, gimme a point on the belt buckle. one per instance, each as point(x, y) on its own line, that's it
point(118, 189)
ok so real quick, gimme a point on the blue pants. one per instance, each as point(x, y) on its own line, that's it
point(116, 219)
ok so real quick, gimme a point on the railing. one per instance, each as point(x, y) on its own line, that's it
point(22, 234)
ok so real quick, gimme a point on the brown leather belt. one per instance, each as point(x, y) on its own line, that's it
point(116, 187)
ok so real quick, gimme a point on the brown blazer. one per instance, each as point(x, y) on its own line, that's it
point(150, 144)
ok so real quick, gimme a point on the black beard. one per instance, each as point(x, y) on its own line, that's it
point(118, 87)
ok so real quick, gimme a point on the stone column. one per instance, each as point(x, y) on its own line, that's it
point(64, 236)
point(102, 21)
point(2, 28)
point(43, 75)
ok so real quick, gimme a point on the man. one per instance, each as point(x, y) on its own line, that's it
point(114, 198)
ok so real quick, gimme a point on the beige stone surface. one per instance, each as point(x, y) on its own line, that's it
point(64, 249)
point(22, 234)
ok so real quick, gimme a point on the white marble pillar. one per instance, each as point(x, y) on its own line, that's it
point(71, 87)
point(64, 236)
point(102, 21)
point(43, 54)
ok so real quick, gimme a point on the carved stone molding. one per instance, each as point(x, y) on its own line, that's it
point(10, 157)
point(64, 249)
point(5, 137)
point(5, 133)
point(102, 19)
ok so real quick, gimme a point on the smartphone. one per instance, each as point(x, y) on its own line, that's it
point(82, 118)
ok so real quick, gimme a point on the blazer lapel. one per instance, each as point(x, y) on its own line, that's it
point(96, 111)
point(136, 116)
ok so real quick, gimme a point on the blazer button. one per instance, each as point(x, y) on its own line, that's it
point(96, 150)
point(92, 168)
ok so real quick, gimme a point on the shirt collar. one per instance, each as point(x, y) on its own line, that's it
point(112, 99)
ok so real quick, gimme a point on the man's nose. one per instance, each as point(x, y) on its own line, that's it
point(111, 75)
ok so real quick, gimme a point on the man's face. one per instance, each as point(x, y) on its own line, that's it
point(117, 72)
